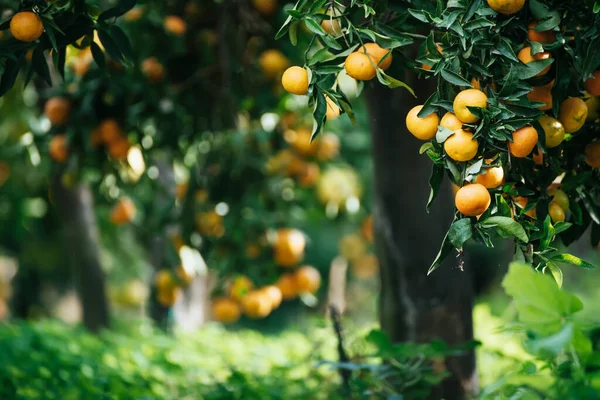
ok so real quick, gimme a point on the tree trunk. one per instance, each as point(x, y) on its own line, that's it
point(76, 206)
point(414, 306)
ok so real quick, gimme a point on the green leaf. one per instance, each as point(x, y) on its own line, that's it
point(425, 147)
point(507, 225)
point(41, 65)
point(571, 259)
point(314, 26)
point(122, 42)
point(442, 134)
point(391, 82)
point(533, 68)
point(556, 273)
point(121, 8)
point(550, 346)
point(110, 46)
point(435, 180)
point(459, 232)
point(455, 79)
point(293, 33)
point(445, 249)
point(98, 55)
point(9, 76)
point(319, 114)
point(541, 304)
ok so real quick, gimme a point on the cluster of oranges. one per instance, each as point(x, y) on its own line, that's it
point(473, 199)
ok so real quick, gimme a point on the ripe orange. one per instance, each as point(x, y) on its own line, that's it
point(376, 53)
point(309, 176)
point(461, 146)
point(57, 110)
point(273, 62)
point(26, 26)
point(592, 154)
point(332, 26)
point(300, 141)
point(477, 85)
point(288, 249)
point(524, 140)
point(287, 284)
point(134, 14)
point(225, 310)
point(333, 110)
point(538, 157)
point(265, 7)
point(153, 70)
point(450, 121)
point(240, 287)
point(360, 67)
point(573, 113)
point(554, 130)
point(256, 304)
point(210, 224)
point(164, 279)
point(526, 57)
point(546, 37)
point(59, 148)
point(492, 178)
point(295, 80)
point(469, 98)
point(274, 294)
point(559, 197)
point(522, 201)
point(365, 267)
point(308, 279)
point(422, 128)
point(328, 147)
point(123, 212)
point(556, 213)
point(506, 7)
point(110, 131)
point(541, 94)
point(118, 149)
point(175, 25)
point(593, 106)
point(592, 84)
point(168, 297)
point(472, 200)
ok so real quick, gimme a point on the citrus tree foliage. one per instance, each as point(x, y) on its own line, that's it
point(515, 84)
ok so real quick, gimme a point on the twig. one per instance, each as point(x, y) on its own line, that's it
point(337, 327)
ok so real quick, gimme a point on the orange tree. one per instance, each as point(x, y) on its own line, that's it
point(509, 118)
point(137, 90)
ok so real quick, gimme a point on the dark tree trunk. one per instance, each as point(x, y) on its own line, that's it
point(414, 306)
point(76, 206)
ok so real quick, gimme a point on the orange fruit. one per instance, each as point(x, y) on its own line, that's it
point(524, 141)
point(333, 110)
point(506, 7)
point(118, 149)
point(469, 98)
point(225, 310)
point(164, 279)
point(309, 176)
point(546, 37)
point(265, 7)
point(365, 266)
point(287, 285)
point(210, 224)
point(556, 213)
point(360, 67)
point(492, 178)
point(295, 80)
point(273, 62)
point(554, 130)
point(300, 141)
point(526, 57)
point(57, 110)
point(288, 249)
point(592, 154)
point(175, 25)
point(123, 212)
point(593, 106)
point(472, 200)
point(168, 297)
point(422, 128)
point(376, 53)
point(274, 294)
point(592, 84)
point(153, 70)
point(461, 146)
point(332, 26)
point(59, 148)
point(181, 190)
point(477, 85)
point(240, 287)
point(538, 158)
point(541, 94)
point(135, 14)
point(366, 228)
point(256, 304)
point(308, 279)
point(26, 26)
point(328, 146)
point(573, 113)
point(559, 197)
point(450, 121)
point(110, 131)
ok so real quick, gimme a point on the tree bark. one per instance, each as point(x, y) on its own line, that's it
point(414, 306)
point(76, 206)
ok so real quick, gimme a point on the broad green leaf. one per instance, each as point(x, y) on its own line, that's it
point(571, 259)
point(507, 225)
point(445, 249)
point(314, 26)
point(41, 65)
point(550, 346)
point(442, 134)
point(435, 180)
point(455, 79)
point(556, 273)
point(391, 82)
point(459, 232)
